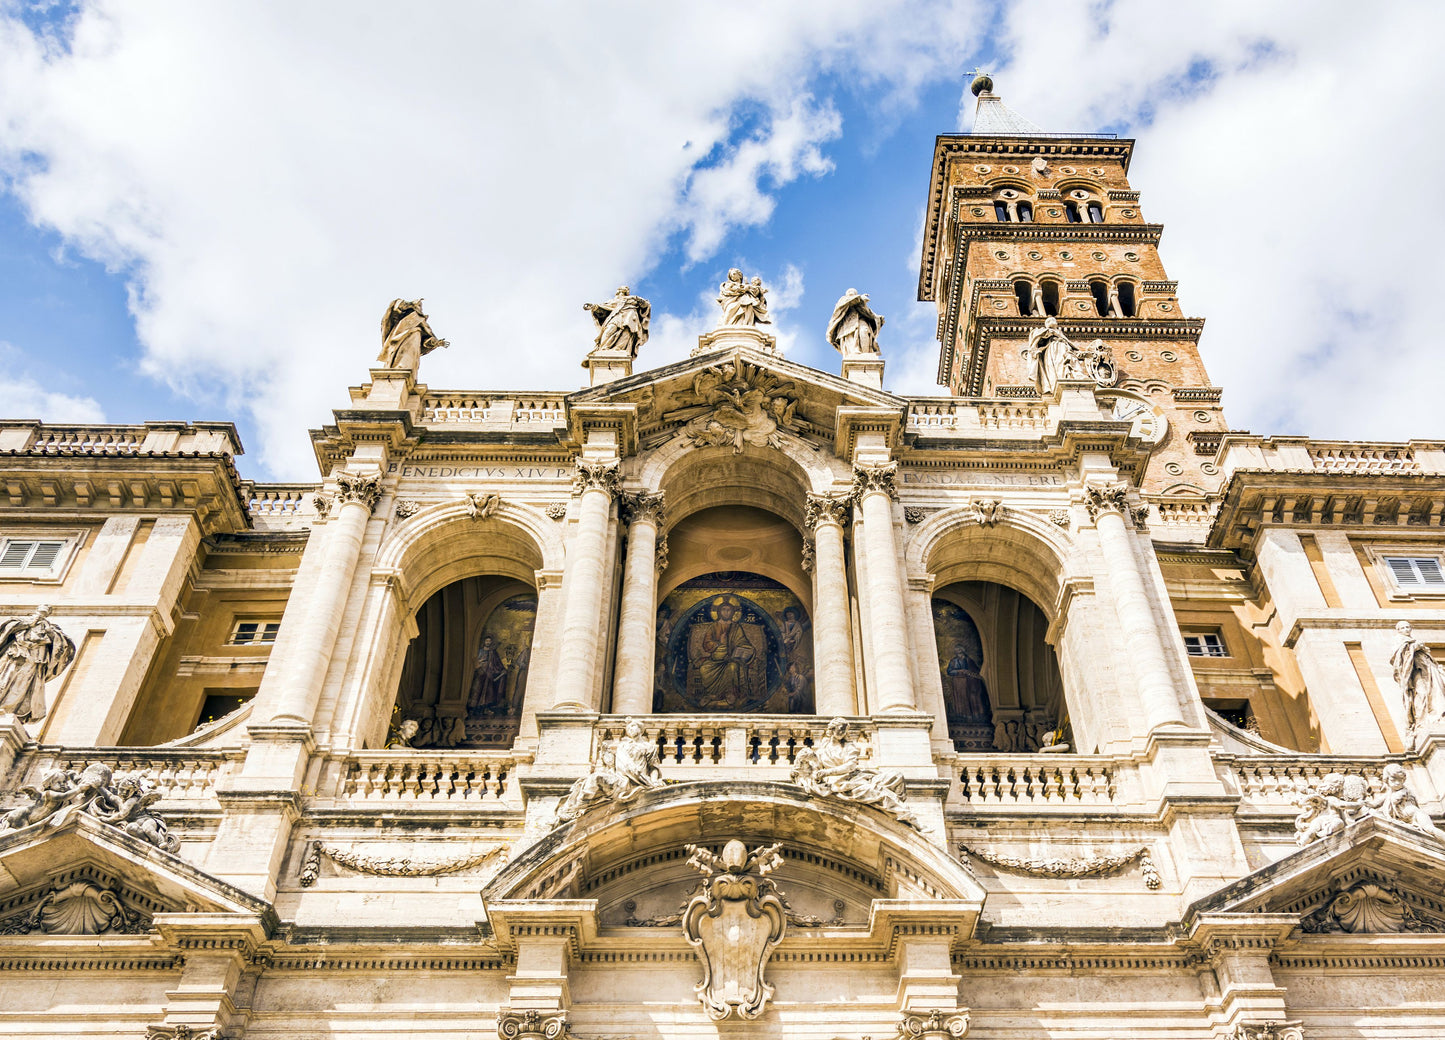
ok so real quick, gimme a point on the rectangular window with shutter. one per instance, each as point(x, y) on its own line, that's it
point(31, 557)
point(1416, 573)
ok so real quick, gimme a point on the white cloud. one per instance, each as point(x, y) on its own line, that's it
point(1288, 179)
point(24, 398)
point(269, 175)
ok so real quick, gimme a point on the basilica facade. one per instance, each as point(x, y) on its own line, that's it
point(738, 698)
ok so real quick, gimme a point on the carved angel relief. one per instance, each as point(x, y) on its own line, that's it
point(739, 404)
point(734, 923)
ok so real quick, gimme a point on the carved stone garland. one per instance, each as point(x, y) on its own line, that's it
point(1091, 865)
point(734, 923)
point(386, 866)
point(358, 487)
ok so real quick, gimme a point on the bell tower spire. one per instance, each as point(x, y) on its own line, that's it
point(1026, 225)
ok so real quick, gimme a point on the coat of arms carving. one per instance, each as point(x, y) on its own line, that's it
point(734, 922)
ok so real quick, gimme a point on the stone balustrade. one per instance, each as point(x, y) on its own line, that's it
point(740, 741)
point(1040, 781)
point(180, 775)
point(1274, 784)
point(972, 416)
point(430, 776)
point(151, 438)
point(448, 408)
point(1363, 458)
point(281, 500)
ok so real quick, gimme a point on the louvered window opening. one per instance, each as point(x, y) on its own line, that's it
point(1416, 572)
point(30, 557)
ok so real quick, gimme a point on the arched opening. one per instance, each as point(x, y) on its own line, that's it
point(1026, 212)
point(1099, 289)
point(1051, 294)
point(1096, 213)
point(1072, 209)
point(1000, 211)
point(1001, 685)
point(734, 616)
point(1127, 300)
point(1024, 291)
point(465, 674)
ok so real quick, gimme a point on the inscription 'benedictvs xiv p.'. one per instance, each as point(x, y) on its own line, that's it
point(732, 689)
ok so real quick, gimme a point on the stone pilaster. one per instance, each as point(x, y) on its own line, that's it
point(644, 515)
point(576, 686)
point(874, 491)
point(832, 636)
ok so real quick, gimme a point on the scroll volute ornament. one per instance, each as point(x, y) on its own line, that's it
point(603, 476)
point(1100, 499)
point(531, 1025)
point(933, 1025)
point(734, 923)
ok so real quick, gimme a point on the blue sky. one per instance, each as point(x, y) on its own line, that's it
point(207, 207)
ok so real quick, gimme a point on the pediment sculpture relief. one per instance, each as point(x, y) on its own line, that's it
point(122, 801)
point(734, 923)
point(79, 908)
point(832, 768)
point(624, 769)
point(738, 404)
point(1368, 906)
point(1337, 800)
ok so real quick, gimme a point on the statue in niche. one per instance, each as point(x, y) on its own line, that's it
point(727, 657)
point(853, 328)
point(406, 337)
point(965, 694)
point(734, 923)
point(743, 302)
point(833, 767)
point(1054, 357)
point(33, 651)
point(1420, 677)
point(621, 322)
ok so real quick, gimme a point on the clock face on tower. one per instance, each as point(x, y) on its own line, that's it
point(1149, 422)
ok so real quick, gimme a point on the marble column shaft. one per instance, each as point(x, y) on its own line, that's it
point(583, 612)
point(832, 642)
point(311, 651)
point(636, 631)
point(1137, 621)
point(889, 638)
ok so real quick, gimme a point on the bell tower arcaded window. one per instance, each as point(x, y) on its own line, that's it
point(1049, 293)
point(1096, 212)
point(1024, 292)
point(1128, 303)
point(1099, 289)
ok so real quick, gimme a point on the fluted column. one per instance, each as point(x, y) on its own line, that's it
point(832, 641)
point(582, 615)
point(636, 631)
point(874, 492)
point(315, 639)
point(1139, 626)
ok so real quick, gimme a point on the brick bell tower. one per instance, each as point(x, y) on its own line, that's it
point(1024, 225)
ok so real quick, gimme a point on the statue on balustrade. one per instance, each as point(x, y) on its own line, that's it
point(623, 770)
point(1420, 677)
point(621, 322)
point(833, 767)
point(33, 651)
point(743, 302)
point(853, 328)
point(406, 337)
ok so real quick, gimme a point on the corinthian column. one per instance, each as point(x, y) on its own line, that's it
point(309, 651)
point(1139, 626)
point(874, 492)
point(636, 642)
point(582, 587)
point(832, 642)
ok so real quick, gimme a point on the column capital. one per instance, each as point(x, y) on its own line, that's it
point(826, 509)
point(358, 487)
point(603, 475)
point(1106, 498)
point(645, 506)
point(869, 477)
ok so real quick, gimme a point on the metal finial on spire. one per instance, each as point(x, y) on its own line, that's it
point(982, 82)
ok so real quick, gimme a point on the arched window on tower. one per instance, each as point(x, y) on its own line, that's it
point(1072, 209)
point(1000, 211)
point(1096, 212)
point(1024, 290)
point(1050, 293)
point(1026, 212)
point(1127, 300)
point(1099, 289)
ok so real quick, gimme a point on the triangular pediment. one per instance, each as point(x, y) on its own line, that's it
point(667, 398)
point(1373, 876)
point(105, 881)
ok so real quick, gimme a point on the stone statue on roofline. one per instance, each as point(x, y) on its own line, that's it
point(743, 302)
point(33, 651)
point(853, 328)
point(621, 322)
point(1420, 677)
point(406, 336)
